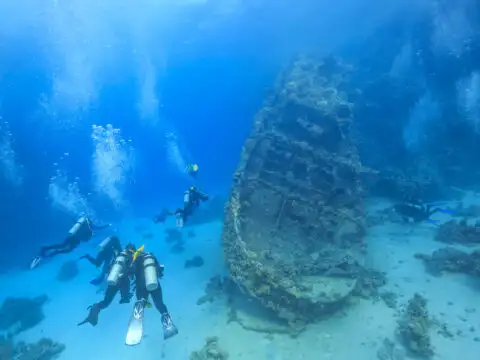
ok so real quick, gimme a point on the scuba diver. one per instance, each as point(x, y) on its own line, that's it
point(417, 212)
point(192, 170)
point(82, 231)
point(146, 271)
point(109, 250)
point(191, 201)
point(118, 280)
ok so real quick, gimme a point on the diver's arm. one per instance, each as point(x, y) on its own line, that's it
point(202, 196)
point(94, 261)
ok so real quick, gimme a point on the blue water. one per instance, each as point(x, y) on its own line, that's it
point(103, 105)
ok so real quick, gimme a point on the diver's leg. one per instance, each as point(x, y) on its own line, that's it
point(141, 291)
point(70, 243)
point(45, 249)
point(95, 309)
point(157, 297)
point(169, 328)
point(124, 286)
point(66, 250)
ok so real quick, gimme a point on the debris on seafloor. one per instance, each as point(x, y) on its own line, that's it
point(451, 260)
point(413, 328)
point(68, 271)
point(389, 298)
point(369, 282)
point(298, 181)
point(459, 232)
point(210, 351)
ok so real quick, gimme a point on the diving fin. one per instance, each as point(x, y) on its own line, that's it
point(135, 326)
point(92, 317)
point(169, 328)
point(35, 262)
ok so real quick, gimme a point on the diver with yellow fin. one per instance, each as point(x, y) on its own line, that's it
point(148, 271)
point(192, 170)
point(145, 270)
point(81, 231)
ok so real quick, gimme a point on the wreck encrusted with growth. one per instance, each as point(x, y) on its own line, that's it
point(294, 234)
point(451, 260)
point(459, 232)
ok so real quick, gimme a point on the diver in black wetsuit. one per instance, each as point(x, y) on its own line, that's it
point(146, 271)
point(191, 201)
point(118, 280)
point(417, 212)
point(109, 249)
point(82, 231)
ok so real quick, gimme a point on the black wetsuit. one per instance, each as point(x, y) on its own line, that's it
point(83, 234)
point(415, 212)
point(136, 271)
point(194, 199)
point(106, 256)
point(141, 291)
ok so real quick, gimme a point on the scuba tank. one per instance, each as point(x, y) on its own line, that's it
point(150, 271)
point(186, 197)
point(77, 226)
point(105, 243)
point(118, 268)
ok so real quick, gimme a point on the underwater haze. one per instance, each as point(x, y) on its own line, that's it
point(283, 121)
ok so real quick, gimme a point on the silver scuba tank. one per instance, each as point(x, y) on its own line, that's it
point(186, 197)
point(77, 226)
point(150, 271)
point(105, 243)
point(118, 269)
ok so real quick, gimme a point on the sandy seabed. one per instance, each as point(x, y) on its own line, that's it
point(356, 333)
